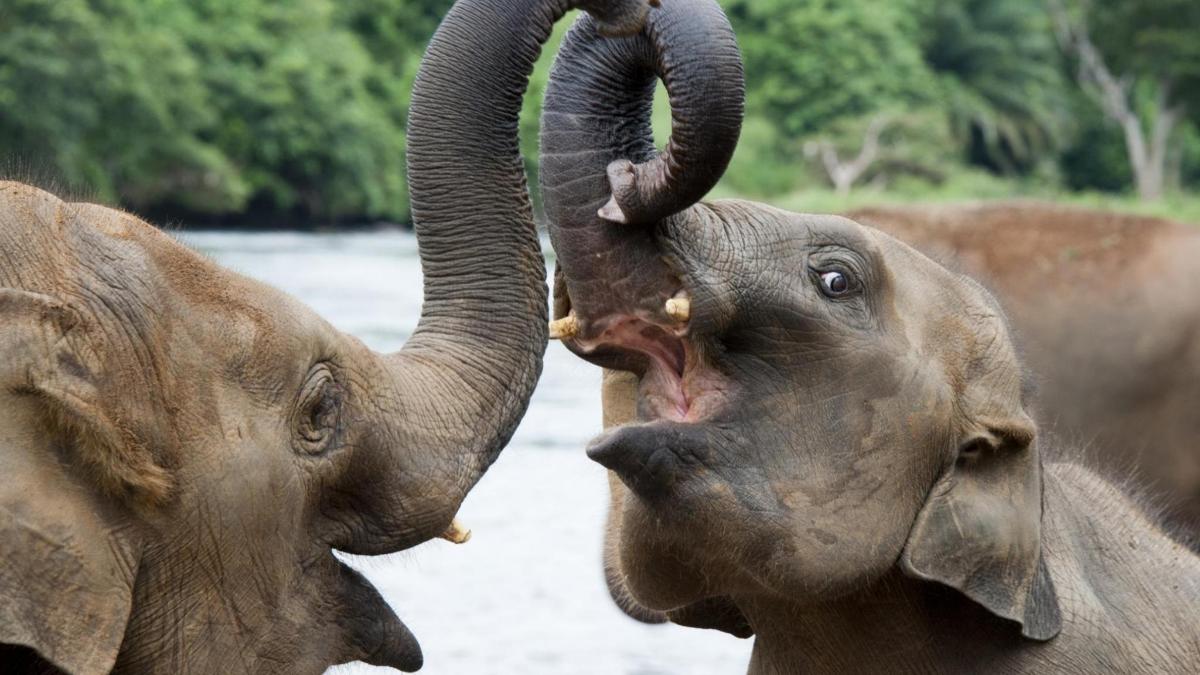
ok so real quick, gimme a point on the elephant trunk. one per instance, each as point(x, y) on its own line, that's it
point(605, 186)
point(465, 377)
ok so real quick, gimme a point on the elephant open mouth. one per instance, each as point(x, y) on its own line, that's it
point(675, 381)
point(679, 393)
point(687, 389)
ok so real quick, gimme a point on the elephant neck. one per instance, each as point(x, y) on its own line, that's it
point(1127, 594)
point(896, 625)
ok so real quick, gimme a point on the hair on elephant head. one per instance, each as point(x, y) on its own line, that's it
point(183, 448)
point(815, 406)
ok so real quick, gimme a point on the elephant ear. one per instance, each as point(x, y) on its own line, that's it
point(70, 554)
point(980, 529)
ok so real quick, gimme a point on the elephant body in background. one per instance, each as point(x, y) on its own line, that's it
point(182, 448)
point(816, 434)
point(1105, 308)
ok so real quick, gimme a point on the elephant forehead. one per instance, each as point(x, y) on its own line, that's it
point(925, 293)
point(954, 320)
point(171, 305)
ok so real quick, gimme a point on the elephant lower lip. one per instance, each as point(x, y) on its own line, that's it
point(376, 634)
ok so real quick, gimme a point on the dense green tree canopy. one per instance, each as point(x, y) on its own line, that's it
point(999, 76)
point(294, 112)
point(810, 64)
point(1160, 37)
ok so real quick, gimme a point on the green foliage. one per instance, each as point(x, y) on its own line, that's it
point(812, 63)
point(819, 69)
point(1095, 158)
point(100, 93)
point(1000, 78)
point(294, 112)
point(209, 107)
point(302, 112)
point(1157, 37)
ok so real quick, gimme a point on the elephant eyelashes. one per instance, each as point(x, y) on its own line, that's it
point(317, 411)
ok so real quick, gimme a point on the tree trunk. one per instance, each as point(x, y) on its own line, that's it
point(1148, 160)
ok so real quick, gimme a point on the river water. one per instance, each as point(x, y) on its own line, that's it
point(526, 595)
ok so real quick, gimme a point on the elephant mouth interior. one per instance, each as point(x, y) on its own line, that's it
point(674, 381)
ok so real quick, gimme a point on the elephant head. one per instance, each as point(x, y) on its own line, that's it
point(183, 448)
point(811, 407)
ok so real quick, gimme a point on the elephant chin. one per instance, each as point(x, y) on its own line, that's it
point(372, 631)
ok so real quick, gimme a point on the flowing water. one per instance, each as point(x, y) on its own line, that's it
point(526, 595)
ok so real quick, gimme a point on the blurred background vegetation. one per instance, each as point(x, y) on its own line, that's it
point(273, 114)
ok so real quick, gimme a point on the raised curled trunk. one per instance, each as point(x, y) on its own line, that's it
point(607, 214)
point(606, 187)
point(465, 378)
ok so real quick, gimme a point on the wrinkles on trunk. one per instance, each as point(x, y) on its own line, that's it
point(465, 377)
point(607, 190)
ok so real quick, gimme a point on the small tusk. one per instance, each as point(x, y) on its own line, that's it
point(456, 533)
point(564, 328)
point(611, 211)
point(679, 309)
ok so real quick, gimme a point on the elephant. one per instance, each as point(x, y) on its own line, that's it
point(1129, 390)
point(182, 449)
point(817, 435)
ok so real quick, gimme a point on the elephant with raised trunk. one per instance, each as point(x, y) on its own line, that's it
point(182, 448)
point(818, 435)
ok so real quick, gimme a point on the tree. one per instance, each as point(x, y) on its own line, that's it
point(843, 173)
point(299, 110)
point(1145, 53)
point(813, 63)
point(999, 79)
point(100, 94)
point(885, 146)
point(285, 112)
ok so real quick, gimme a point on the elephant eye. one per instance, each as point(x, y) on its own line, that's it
point(317, 410)
point(834, 283)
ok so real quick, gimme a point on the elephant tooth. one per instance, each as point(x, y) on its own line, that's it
point(679, 309)
point(457, 533)
point(611, 211)
point(564, 328)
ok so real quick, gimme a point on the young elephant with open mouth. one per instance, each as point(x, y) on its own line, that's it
point(824, 437)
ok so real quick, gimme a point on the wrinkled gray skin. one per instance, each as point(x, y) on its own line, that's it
point(1128, 391)
point(834, 450)
point(182, 448)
